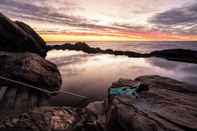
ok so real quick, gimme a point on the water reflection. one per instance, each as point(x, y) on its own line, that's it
point(91, 75)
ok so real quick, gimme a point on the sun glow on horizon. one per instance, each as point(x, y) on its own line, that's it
point(141, 37)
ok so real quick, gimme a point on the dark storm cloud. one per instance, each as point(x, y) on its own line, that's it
point(179, 20)
point(187, 15)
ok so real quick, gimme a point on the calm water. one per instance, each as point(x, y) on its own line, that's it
point(92, 74)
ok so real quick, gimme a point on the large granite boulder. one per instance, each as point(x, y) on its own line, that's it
point(30, 68)
point(167, 105)
point(19, 37)
point(19, 72)
point(161, 104)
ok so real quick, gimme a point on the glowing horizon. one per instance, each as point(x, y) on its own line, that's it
point(50, 37)
point(107, 20)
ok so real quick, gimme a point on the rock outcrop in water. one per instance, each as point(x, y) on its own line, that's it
point(19, 37)
point(81, 46)
point(164, 105)
point(182, 55)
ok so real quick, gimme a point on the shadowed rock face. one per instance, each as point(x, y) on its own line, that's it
point(30, 68)
point(22, 66)
point(165, 105)
point(19, 37)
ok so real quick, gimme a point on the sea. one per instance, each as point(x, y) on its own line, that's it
point(91, 75)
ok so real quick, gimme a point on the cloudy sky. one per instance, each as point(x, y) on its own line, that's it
point(60, 20)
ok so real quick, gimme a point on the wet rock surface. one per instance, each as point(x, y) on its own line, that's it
point(164, 105)
point(19, 37)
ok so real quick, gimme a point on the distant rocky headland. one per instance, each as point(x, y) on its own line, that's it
point(28, 80)
point(182, 55)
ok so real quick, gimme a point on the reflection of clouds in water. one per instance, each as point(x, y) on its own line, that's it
point(71, 71)
point(191, 79)
point(67, 61)
point(189, 72)
point(190, 68)
point(53, 54)
point(91, 75)
point(163, 63)
point(64, 58)
point(76, 65)
point(181, 71)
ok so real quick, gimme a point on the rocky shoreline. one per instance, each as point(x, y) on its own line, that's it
point(182, 55)
point(165, 105)
point(157, 103)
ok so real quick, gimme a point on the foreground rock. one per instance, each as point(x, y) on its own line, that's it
point(164, 105)
point(182, 55)
point(30, 69)
point(167, 105)
point(19, 37)
point(42, 119)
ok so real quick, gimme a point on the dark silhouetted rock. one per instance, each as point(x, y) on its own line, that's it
point(108, 51)
point(81, 46)
point(182, 55)
point(177, 55)
point(19, 37)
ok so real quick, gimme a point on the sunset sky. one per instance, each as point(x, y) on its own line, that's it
point(107, 20)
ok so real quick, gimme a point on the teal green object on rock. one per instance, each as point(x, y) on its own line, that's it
point(123, 91)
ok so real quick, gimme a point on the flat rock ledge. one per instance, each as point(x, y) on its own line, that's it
point(166, 105)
